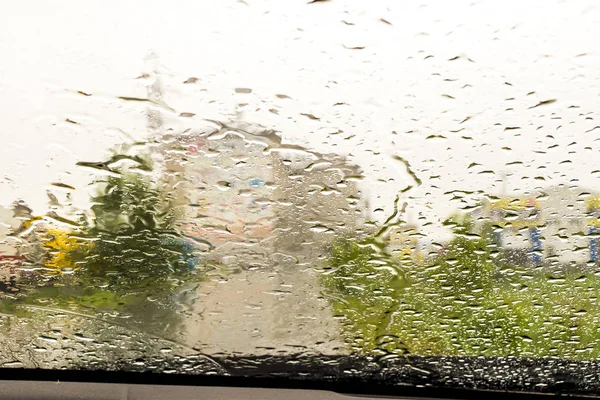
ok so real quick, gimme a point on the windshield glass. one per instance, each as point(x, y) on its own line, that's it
point(407, 189)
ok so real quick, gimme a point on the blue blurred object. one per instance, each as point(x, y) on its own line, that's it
point(256, 183)
point(594, 243)
point(188, 247)
point(536, 245)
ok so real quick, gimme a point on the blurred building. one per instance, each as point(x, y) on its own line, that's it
point(315, 199)
point(221, 183)
point(557, 226)
point(251, 201)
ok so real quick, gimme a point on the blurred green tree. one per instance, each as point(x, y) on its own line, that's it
point(134, 244)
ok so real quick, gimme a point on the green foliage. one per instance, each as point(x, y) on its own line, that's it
point(126, 254)
point(365, 288)
point(443, 306)
point(82, 297)
point(129, 203)
point(134, 245)
point(464, 302)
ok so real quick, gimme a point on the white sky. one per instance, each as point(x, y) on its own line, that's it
point(397, 83)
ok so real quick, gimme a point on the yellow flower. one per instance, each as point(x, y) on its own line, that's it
point(62, 246)
point(515, 204)
point(592, 203)
point(594, 222)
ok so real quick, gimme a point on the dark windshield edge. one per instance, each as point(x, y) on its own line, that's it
point(430, 377)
